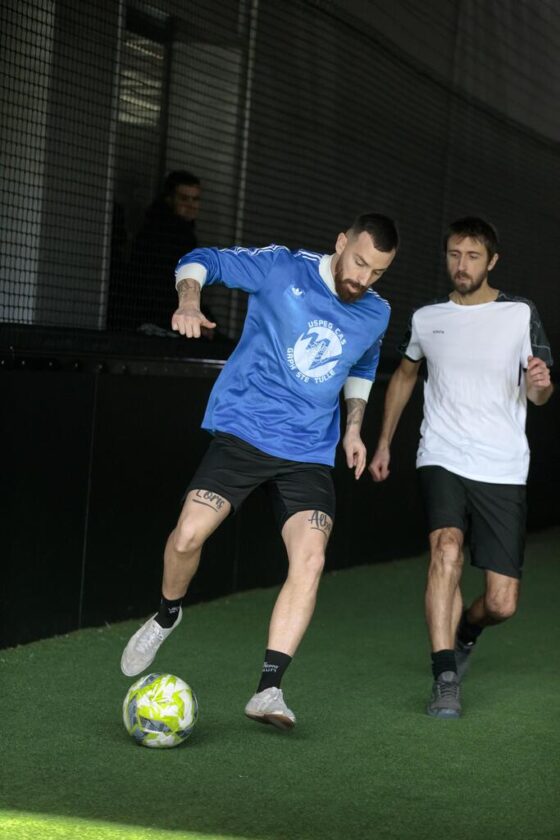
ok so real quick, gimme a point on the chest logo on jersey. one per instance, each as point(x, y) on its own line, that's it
point(317, 351)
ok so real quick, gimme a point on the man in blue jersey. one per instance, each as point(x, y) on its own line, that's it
point(486, 354)
point(314, 327)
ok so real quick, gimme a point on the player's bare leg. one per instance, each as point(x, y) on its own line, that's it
point(497, 604)
point(443, 595)
point(443, 607)
point(202, 513)
point(305, 536)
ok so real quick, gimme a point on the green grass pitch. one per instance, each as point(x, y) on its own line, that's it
point(364, 761)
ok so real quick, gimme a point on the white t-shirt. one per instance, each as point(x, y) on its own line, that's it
point(475, 400)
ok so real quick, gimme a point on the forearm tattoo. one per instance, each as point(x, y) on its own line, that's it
point(355, 409)
point(188, 291)
point(209, 499)
point(319, 521)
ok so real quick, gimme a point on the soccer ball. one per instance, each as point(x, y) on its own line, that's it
point(160, 710)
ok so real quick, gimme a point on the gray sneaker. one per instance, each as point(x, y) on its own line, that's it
point(268, 706)
point(463, 657)
point(141, 650)
point(445, 701)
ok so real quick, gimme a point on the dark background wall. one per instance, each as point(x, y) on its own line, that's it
point(94, 467)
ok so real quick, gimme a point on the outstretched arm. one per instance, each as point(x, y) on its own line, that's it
point(352, 442)
point(398, 394)
point(187, 318)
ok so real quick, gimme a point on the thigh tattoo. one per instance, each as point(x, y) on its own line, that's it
point(320, 521)
point(209, 499)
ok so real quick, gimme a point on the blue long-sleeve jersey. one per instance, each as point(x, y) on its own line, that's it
point(279, 390)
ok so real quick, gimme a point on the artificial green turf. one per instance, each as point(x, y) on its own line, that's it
point(364, 761)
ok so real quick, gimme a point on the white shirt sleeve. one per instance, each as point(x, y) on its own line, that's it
point(357, 388)
point(411, 346)
point(192, 271)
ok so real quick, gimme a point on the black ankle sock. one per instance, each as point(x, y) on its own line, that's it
point(275, 664)
point(443, 660)
point(468, 633)
point(168, 612)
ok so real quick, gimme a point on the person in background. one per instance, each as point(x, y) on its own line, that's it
point(167, 234)
point(486, 354)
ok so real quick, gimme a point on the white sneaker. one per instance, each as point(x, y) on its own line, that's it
point(143, 646)
point(268, 706)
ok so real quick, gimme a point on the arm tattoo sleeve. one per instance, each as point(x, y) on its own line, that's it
point(355, 409)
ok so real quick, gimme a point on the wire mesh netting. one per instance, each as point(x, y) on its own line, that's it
point(278, 122)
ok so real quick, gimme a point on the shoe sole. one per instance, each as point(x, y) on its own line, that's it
point(136, 673)
point(444, 714)
point(280, 721)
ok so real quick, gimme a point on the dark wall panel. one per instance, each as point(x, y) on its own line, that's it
point(94, 469)
point(45, 433)
point(147, 444)
point(543, 487)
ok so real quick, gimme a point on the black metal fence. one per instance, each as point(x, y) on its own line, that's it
point(293, 115)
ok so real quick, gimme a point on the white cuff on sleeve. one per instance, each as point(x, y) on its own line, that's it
point(357, 388)
point(191, 271)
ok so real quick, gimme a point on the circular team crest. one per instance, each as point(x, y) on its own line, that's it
point(317, 351)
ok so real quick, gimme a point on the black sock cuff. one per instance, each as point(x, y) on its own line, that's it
point(274, 666)
point(168, 611)
point(276, 657)
point(171, 602)
point(468, 633)
point(443, 660)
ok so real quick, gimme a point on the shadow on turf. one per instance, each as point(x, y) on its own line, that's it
point(206, 733)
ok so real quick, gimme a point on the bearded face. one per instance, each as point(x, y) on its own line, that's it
point(347, 289)
point(358, 265)
point(468, 264)
point(468, 284)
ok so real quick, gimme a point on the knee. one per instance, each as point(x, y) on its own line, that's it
point(186, 538)
point(309, 567)
point(500, 607)
point(447, 551)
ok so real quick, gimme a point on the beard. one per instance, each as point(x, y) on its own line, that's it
point(347, 290)
point(466, 284)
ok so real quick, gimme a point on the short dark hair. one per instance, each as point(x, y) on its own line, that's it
point(179, 177)
point(382, 230)
point(474, 228)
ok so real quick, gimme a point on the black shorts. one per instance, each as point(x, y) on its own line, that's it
point(494, 515)
point(233, 469)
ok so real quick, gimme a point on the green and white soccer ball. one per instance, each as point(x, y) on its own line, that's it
point(160, 710)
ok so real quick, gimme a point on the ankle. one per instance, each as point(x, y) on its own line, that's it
point(468, 632)
point(443, 660)
point(274, 667)
point(168, 612)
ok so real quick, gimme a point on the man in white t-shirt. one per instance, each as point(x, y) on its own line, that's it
point(486, 354)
